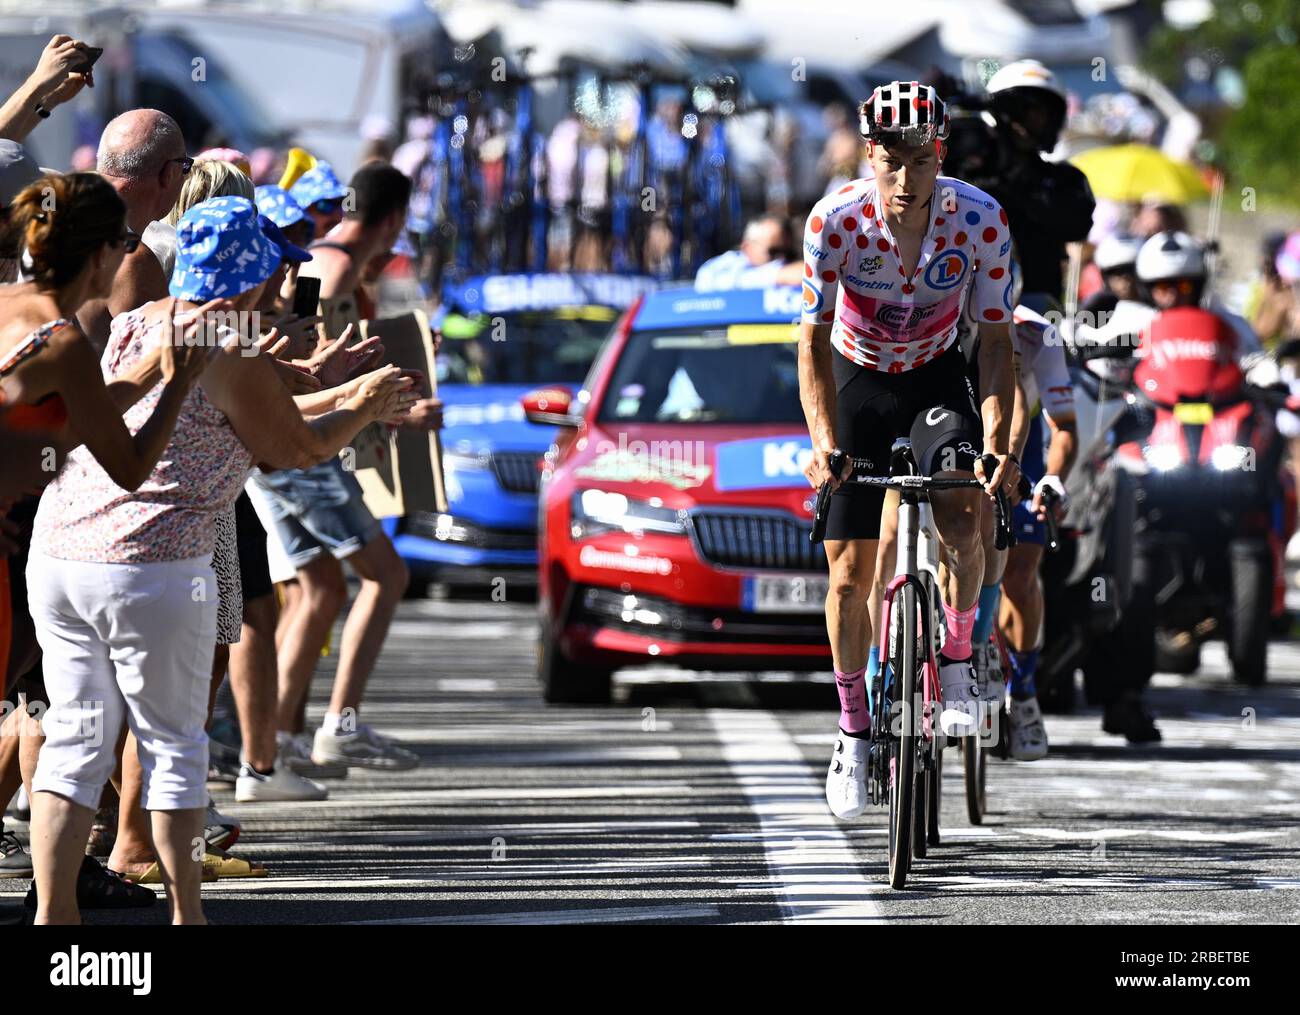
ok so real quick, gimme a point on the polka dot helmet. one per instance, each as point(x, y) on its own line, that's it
point(903, 111)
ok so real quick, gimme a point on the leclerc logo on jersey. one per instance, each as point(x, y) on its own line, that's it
point(946, 271)
point(812, 300)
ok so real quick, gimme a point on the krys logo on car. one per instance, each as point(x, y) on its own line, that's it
point(762, 463)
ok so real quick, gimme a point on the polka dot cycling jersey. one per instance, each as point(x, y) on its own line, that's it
point(885, 319)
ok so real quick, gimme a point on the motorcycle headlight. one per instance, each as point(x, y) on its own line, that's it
point(1230, 457)
point(598, 511)
point(1163, 457)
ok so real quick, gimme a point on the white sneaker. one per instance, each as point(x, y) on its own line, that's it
point(219, 831)
point(987, 661)
point(295, 751)
point(961, 698)
point(1028, 734)
point(846, 780)
point(363, 748)
point(282, 784)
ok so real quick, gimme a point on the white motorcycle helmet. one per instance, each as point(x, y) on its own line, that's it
point(1024, 82)
point(1170, 255)
point(1117, 253)
point(1024, 74)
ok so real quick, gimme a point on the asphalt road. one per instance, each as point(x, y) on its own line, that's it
point(700, 800)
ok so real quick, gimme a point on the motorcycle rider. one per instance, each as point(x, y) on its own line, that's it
point(1116, 259)
point(1171, 267)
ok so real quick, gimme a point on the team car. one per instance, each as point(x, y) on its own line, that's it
point(674, 513)
point(502, 336)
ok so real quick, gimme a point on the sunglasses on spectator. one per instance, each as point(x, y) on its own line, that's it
point(328, 206)
point(129, 240)
point(186, 161)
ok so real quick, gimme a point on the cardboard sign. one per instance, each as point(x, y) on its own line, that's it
point(404, 473)
point(370, 448)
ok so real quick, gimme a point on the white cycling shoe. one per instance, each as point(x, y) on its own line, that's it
point(846, 780)
point(1028, 734)
point(961, 698)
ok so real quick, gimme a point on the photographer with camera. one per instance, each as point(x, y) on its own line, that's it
point(1049, 204)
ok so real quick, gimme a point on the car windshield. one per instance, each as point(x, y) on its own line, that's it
point(742, 373)
point(527, 348)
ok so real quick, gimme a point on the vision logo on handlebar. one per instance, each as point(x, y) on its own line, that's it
point(914, 485)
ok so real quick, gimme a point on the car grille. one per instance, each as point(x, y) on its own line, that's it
point(517, 470)
point(757, 540)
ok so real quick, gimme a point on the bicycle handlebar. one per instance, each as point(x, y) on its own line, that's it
point(1004, 536)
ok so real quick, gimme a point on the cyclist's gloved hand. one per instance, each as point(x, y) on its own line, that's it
point(818, 469)
point(1050, 483)
point(1005, 476)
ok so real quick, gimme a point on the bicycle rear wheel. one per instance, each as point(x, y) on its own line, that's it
point(934, 797)
point(902, 745)
point(974, 769)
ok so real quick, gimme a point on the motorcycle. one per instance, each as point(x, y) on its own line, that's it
point(1206, 484)
point(1087, 581)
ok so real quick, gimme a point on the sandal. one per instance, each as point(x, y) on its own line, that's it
point(152, 875)
point(223, 865)
point(101, 888)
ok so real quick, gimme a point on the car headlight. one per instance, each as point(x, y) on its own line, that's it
point(1230, 457)
point(599, 511)
point(466, 461)
point(1163, 457)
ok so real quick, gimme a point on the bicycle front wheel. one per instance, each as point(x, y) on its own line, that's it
point(903, 661)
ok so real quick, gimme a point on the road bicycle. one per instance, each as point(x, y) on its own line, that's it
point(995, 723)
point(904, 763)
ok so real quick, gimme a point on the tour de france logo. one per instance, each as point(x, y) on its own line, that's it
point(947, 270)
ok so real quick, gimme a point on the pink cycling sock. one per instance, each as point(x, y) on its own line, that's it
point(854, 717)
point(960, 625)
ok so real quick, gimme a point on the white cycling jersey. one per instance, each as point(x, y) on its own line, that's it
point(883, 318)
point(1040, 357)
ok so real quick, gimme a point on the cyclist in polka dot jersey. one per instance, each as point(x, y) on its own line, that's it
point(882, 317)
point(890, 262)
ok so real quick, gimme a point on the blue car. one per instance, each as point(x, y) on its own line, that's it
point(503, 336)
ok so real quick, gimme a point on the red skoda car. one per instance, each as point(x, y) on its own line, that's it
point(674, 514)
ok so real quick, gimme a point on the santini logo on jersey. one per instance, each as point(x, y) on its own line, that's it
point(863, 283)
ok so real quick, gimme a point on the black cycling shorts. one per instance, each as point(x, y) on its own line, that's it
point(934, 405)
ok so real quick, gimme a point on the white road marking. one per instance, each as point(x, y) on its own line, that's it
point(1189, 835)
point(467, 684)
point(558, 916)
point(808, 855)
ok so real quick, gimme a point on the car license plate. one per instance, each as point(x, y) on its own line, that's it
point(1194, 412)
point(786, 594)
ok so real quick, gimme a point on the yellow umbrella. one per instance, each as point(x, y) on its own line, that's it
point(1132, 172)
